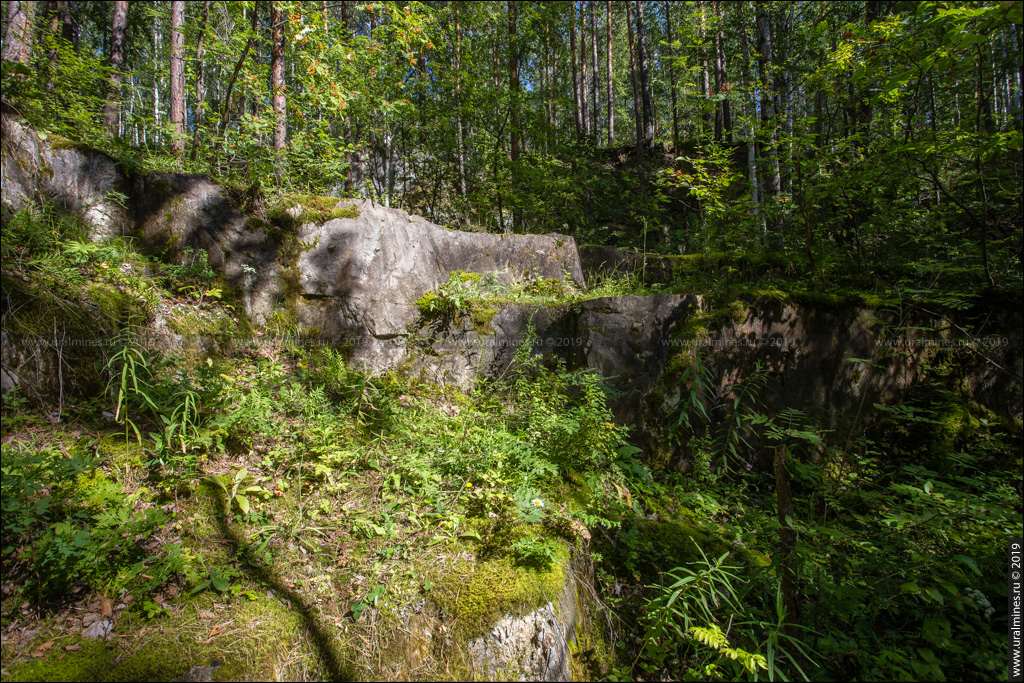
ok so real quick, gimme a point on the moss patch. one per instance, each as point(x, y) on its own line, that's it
point(255, 639)
point(59, 142)
point(474, 596)
point(480, 318)
point(295, 210)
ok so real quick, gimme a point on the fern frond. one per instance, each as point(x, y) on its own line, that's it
point(711, 636)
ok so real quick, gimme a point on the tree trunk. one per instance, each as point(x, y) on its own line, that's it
point(723, 120)
point(226, 111)
point(610, 91)
point(764, 62)
point(156, 74)
point(645, 83)
point(198, 107)
point(117, 53)
point(577, 107)
point(345, 15)
point(748, 87)
point(595, 104)
point(672, 78)
point(514, 95)
point(54, 12)
point(554, 92)
point(277, 23)
point(634, 78)
point(177, 84)
point(458, 104)
point(584, 73)
point(707, 114)
point(18, 33)
point(513, 82)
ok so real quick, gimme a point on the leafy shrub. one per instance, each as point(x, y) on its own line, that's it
point(72, 524)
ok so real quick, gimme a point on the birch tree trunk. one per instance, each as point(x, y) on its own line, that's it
point(577, 107)
point(458, 104)
point(764, 61)
point(595, 104)
point(277, 22)
point(200, 100)
point(672, 79)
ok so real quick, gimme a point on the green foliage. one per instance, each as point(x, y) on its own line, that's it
point(73, 525)
point(238, 494)
point(705, 592)
point(193, 270)
point(452, 298)
point(535, 551)
point(128, 368)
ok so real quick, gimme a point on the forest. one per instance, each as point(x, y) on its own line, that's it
point(625, 340)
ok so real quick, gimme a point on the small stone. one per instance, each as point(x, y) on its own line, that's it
point(99, 629)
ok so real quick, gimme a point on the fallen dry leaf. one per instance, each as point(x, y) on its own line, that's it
point(41, 650)
point(106, 610)
point(72, 648)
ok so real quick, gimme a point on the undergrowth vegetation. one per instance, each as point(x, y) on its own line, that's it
point(272, 484)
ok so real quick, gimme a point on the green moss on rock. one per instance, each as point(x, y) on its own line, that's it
point(474, 596)
point(295, 210)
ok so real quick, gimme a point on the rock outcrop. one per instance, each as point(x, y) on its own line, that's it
point(360, 277)
point(534, 647)
point(356, 279)
point(79, 181)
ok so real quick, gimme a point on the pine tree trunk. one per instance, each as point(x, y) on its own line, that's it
point(18, 33)
point(177, 102)
point(577, 107)
point(277, 25)
point(645, 83)
point(610, 91)
point(117, 54)
point(55, 12)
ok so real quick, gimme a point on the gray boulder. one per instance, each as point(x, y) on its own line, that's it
point(360, 278)
point(78, 180)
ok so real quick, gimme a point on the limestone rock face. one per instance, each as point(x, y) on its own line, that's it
point(361, 277)
point(78, 181)
point(531, 648)
point(173, 211)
